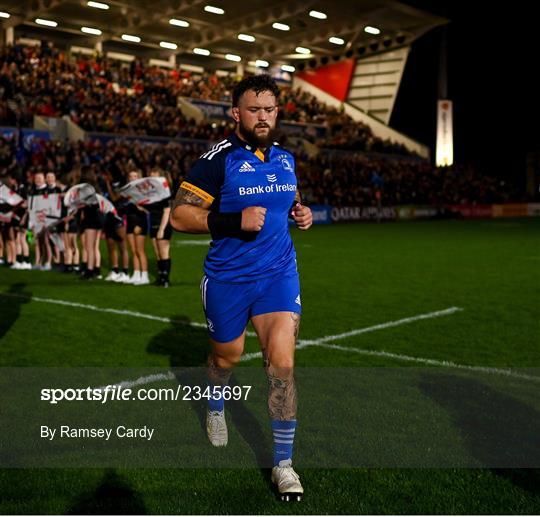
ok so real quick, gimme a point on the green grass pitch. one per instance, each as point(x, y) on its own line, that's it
point(353, 277)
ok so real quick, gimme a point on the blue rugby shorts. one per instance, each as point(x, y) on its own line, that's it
point(228, 306)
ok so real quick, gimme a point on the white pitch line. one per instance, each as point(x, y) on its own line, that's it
point(95, 308)
point(121, 312)
point(253, 355)
point(135, 314)
point(302, 343)
point(373, 353)
point(192, 243)
point(169, 376)
point(381, 326)
point(431, 362)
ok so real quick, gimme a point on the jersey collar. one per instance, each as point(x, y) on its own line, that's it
point(248, 147)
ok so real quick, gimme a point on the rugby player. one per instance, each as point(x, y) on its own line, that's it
point(242, 191)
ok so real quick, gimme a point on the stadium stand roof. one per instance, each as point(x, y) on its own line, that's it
point(399, 24)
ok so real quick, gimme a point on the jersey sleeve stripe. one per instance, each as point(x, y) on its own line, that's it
point(214, 148)
point(211, 155)
point(197, 191)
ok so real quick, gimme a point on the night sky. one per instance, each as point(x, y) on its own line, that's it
point(493, 69)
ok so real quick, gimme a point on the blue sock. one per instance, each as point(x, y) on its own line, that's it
point(216, 402)
point(283, 431)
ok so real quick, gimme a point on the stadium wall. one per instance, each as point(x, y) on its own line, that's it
point(379, 129)
point(190, 110)
point(375, 83)
point(326, 214)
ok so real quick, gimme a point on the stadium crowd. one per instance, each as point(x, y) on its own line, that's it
point(105, 95)
point(355, 179)
point(335, 178)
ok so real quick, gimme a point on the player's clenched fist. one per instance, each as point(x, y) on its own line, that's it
point(253, 218)
point(302, 216)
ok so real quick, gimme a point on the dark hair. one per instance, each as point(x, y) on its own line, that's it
point(257, 83)
point(88, 175)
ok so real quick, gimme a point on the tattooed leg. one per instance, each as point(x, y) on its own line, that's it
point(278, 333)
point(221, 361)
point(282, 396)
point(217, 375)
point(296, 322)
point(218, 378)
point(266, 361)
point(282, 401)
point(282, 404)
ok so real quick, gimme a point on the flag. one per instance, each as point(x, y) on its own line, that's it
point(44, 211)
point(105, 206)
point(9, 196)
point(80, 195)
point(57, 240)
point(145, 191)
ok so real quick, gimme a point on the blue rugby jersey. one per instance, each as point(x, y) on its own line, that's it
point(232, 176)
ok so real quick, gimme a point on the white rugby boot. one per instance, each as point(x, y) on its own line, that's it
point(216, 428)
point(287, 481)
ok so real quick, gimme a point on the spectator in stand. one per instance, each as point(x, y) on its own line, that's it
point(339, 178)
point(108, 96)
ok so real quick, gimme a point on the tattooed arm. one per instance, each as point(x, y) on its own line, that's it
point(189, 212)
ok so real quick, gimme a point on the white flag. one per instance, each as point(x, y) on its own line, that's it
point(9, 196)
point(57, 240)
point(44, 211)
point(105, 206)
point(6, 217)
point(80, 195)
point(146, 190)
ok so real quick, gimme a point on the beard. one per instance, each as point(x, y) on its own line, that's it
point(256, 139)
